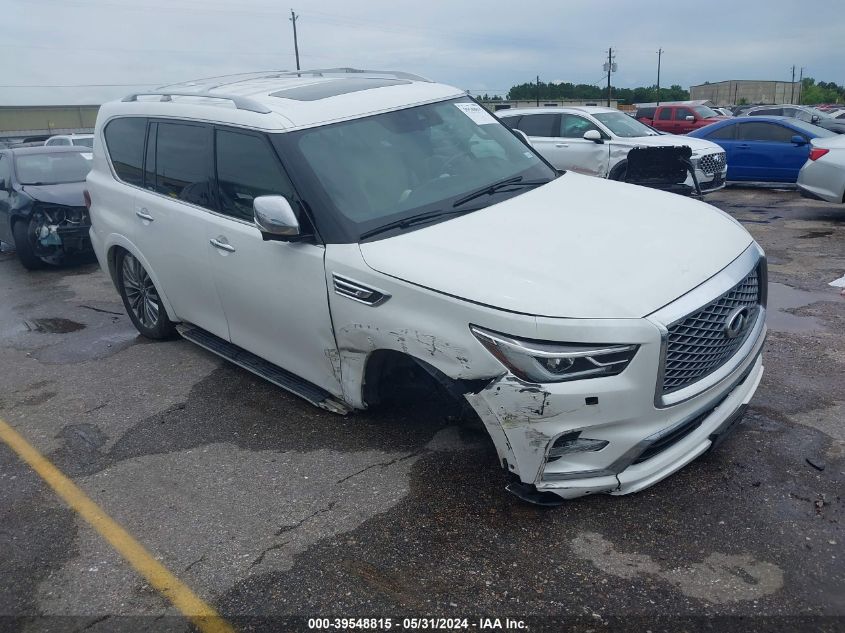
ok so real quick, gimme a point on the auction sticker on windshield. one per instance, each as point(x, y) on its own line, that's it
point(475, 112)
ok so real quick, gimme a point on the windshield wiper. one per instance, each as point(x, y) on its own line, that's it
point(423, 218)
point(489, 190)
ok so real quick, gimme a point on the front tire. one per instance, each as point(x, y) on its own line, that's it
point(141, 298)
point(619, 172)
point(24, 246)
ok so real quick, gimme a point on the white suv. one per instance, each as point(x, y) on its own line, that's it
point(322, 227)
point(595, 141)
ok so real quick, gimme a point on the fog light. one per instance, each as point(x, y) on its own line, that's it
point(573, 443)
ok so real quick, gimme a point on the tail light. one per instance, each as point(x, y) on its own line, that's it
point(87, 197)
point(817, 152)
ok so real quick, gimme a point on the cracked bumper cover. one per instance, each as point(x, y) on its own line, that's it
point(524, 421)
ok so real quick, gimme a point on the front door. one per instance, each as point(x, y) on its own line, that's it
point(273, 293)
point(581, 155)
point(764, 151)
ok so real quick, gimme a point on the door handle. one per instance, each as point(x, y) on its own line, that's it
point(142, 213)
point(222, 244)
point(561, 144)
point(743, 146)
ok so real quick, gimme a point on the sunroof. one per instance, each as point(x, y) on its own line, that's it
point(335, 87)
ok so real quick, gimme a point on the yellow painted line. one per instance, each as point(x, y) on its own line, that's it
point(204, 617)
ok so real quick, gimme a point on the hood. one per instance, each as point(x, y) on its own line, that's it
point(66, 193)
point(578, 247)
point(697, 145)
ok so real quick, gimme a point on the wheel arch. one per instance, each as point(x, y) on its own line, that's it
point(114, 245)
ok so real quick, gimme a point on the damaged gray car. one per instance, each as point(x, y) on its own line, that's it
point(42, 205)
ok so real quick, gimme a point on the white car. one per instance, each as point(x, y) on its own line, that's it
point(324, 228)
point(823, 175)
point(86, 140)
point(595, 141)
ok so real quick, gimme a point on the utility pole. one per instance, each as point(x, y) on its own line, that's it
point(792, 83)
point(659, 55)
point(294, 18)
point(800, 84)
point(538, 91)
point(609, 69)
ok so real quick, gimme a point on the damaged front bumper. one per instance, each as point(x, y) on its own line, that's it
point(608, 435)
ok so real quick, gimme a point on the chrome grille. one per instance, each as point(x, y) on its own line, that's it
point(712, 163)
point(697, 344)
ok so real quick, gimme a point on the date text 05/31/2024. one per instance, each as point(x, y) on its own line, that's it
point(414, 624)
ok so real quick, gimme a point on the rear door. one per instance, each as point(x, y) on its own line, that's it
point(543, 129)
point(171, 215)
point(765, 152)
point(273, 293)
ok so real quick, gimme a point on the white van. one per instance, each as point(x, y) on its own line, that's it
point(321, 227)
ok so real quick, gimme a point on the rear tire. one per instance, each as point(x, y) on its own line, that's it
point(141, 298)
point(24, 246)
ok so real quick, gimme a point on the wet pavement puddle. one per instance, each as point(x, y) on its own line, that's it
point(783, 297)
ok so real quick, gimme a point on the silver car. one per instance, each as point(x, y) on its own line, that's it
point(823, 175)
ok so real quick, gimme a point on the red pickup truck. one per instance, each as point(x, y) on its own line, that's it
point(677, 118)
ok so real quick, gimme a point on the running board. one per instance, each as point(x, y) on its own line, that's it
point(265, 369)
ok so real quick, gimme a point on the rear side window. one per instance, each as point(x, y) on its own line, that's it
point(665, 114)
point(726, 133)
point(183, 167)
point(770, 132)
point(647, 113)
point(247, 168)
point(539, 124)
point(511, 121)
point(125, 144)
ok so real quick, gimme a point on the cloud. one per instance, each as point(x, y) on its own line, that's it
point(481, 46)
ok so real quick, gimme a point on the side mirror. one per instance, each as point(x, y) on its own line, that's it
point(522, 135)
point(799, 140)
point(275, 218)
point(814, 119)
point(593, 135)
point(689, 117)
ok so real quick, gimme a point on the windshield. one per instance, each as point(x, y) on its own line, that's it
point(705, 112)
point(385, 168)
point(623, 125)
point(86, 142)
point(52, 169)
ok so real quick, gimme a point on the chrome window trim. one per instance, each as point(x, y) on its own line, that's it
point(713, 288)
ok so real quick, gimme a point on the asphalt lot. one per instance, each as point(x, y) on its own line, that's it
point(269, 508)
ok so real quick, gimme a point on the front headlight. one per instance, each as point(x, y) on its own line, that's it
point(539, 361)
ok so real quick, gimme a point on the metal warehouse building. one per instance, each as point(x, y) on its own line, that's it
point(735, 90)
point(23, 121)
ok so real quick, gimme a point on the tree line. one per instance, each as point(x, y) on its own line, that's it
point(559, 91)
point(812, 92)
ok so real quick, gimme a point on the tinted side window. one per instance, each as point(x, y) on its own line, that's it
point(665, 114)
point(247, 168)
point(767, 112)
point(770, 132)
point(539, 124)
point(184, 163)
point(125, 144)
point(511, 121)
point(682, 113)
point(572, 126)
point(726, 133)
point(5, 170)
point(647, 113)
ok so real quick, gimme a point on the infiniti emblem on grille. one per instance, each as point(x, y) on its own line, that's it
point(735, 322)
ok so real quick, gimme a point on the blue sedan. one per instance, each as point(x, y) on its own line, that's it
point(763, 148)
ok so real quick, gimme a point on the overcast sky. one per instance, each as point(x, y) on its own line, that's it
point(479, 46)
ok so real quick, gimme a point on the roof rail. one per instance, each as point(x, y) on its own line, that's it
point(241, 103)
point(210, 83)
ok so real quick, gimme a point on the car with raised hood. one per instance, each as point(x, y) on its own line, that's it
point(823, 175)
point(595, 141)
point(327, 228)
point(42, 206)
